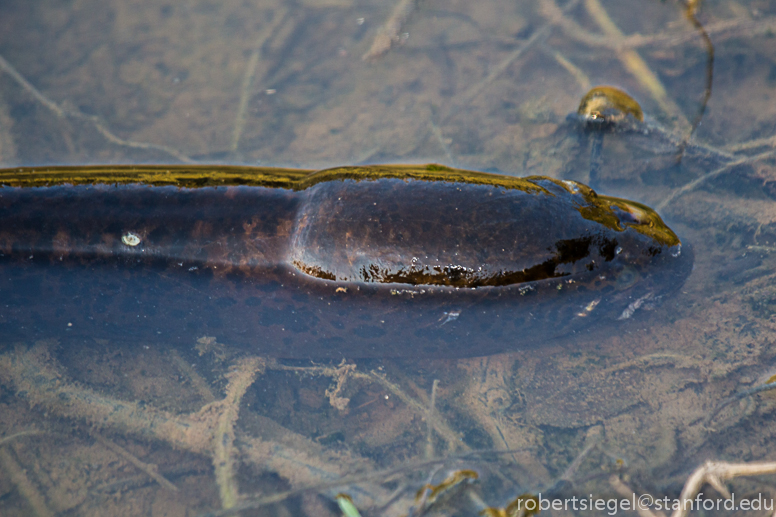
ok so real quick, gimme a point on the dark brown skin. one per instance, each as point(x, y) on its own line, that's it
point(382, 261)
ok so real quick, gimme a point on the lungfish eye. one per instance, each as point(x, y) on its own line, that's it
point(627, 277)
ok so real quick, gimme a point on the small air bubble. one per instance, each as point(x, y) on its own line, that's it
point(618, 250)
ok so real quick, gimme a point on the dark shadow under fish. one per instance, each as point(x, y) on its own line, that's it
point(379, 261)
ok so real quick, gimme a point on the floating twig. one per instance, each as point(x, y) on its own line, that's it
point(715, 473)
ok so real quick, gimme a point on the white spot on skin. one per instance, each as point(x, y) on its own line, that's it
point(130, 239)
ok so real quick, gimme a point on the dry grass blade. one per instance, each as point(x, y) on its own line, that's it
point(151, 470)
point(690, 14)
point(95, 121)
point(23, 484)
point(250, 76)
point(12, 437)
point(738, 396)
point(240, 379)
point(713, 174)
point(554, 18)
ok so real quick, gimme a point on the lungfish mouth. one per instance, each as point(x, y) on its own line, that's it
point(570, 256)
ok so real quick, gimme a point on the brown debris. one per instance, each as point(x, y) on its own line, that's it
point(390, 33)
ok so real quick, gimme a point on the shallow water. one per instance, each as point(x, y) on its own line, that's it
point(486, 88)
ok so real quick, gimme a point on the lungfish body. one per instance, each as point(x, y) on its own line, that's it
point(379, 261)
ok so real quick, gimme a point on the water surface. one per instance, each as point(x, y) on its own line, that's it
point(487, 88)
